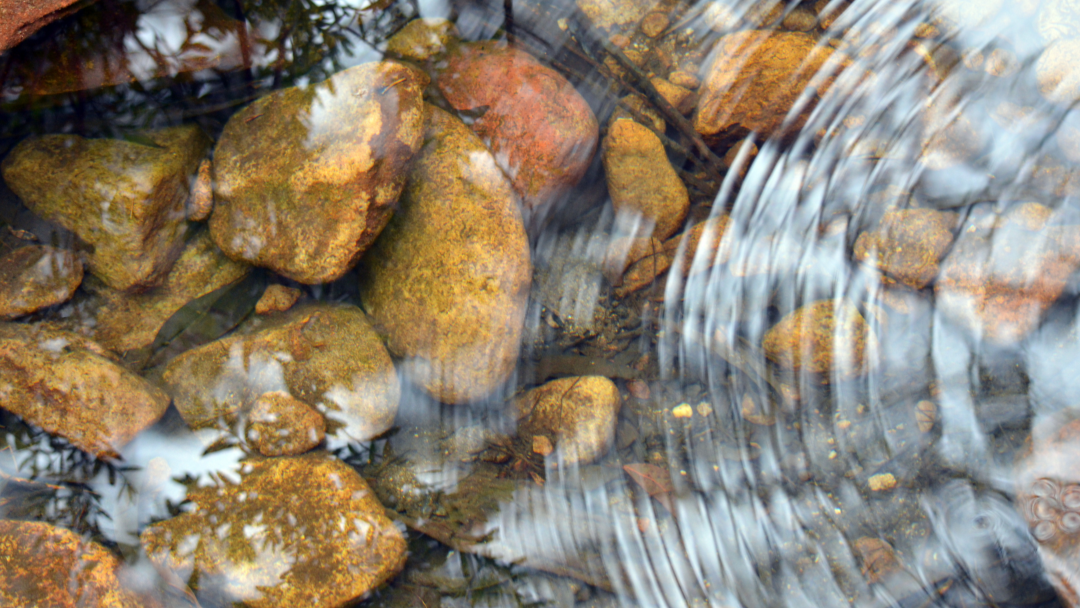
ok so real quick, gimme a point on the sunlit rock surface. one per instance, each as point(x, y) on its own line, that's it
point(306, 178)
point(326, 355)
point(68, 386)
point(128, 321)
point(576, 414)
point(125, 199)
point(37, 276)
point(754, 78)
point(640, 178)
point(827, 337)
point(448, 281)
point(541, 131)
point(999, 280)
point(44, 565)
point(907, 245)
point(294, 531)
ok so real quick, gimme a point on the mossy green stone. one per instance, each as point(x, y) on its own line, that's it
point(125, 199)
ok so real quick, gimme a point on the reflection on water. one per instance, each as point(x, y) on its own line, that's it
point(588, 303)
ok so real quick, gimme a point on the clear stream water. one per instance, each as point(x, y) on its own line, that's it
point(760, 515)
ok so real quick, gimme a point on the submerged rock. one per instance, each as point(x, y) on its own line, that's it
point(325, 355)
point(125, 199)
point(130, 321)
point(448, 281)
point(1048, 497)
point(907, 245)
point(35, 277)
point(421, 39)
point(756, 77)
point(827, 337)
point(294, 531)
point(541, 131)
point(578, 413)
point(640, 178)
point(998, 283)
point(44, 565)
point(616, 16)
point(305, 178)
point(68, 386)
point(277, 298)
point(282, 425)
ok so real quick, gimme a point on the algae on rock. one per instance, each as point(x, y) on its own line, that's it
point(448, 281)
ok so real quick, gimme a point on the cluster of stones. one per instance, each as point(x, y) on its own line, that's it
point(433, 213)
point(363, 171)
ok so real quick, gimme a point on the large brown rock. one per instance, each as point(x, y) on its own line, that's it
point(829, 338)
point(755, 78)
point(123, 198)
point(68, 386)
point(294, 531)
point(305, 178)
point(325, 355)
point(542, 132)
point(998, 282)
point(37, 276)
point(577, 413)
point(126, 321)
point(448, 281)
point(640, 178)
point(907, 245)
point(44, 565)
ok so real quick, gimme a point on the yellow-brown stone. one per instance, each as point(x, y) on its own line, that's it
point(448, 282)
point(422, 39)
point(282, 425)
point(294, 531)
point(305, 178)
point(1058, 72)
point(907, 245)
point(827, 337)
point(125, 199)
point(579, 412)
point(640, 179)
point(755, 77)
point(129, 321)
point(43, 565)
point(277, 298)
point(68, 386)
point(37, 276)
point(324, 354)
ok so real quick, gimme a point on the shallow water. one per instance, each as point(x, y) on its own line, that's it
point(845, 489)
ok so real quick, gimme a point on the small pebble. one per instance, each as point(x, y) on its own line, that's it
point(683, 411)
point(882, 481)
point(654, 24)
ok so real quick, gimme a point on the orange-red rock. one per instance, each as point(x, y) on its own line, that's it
point(755, 77)
point(542, 132)
point(999, 283)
